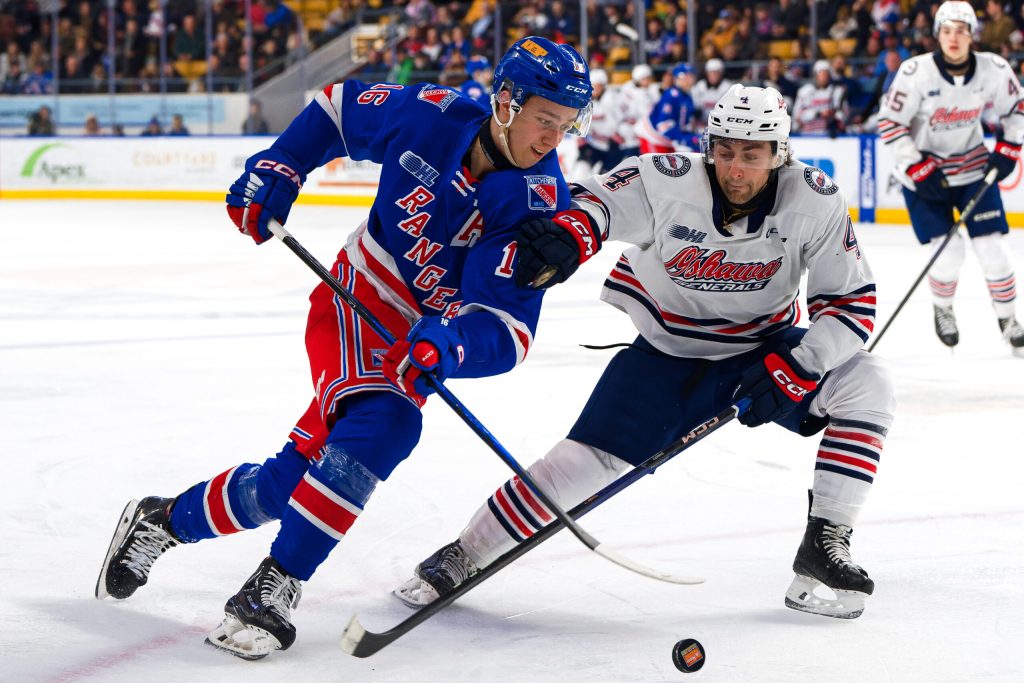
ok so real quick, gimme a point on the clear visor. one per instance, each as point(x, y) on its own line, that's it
point(750, 154)
point(578, 126)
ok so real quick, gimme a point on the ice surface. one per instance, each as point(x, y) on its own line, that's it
point(145, 347)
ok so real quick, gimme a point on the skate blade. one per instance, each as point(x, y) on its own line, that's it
point(120, 532)
point(246, 642)
point(805, 595)
point(416, 593)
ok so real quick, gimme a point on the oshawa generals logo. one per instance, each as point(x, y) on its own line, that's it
point(948, 119)
point(709, 271)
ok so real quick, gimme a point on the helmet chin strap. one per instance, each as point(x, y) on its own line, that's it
point(503, 128)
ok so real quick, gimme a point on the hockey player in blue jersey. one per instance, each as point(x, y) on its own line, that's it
point(669, 126)
point(478, 86)
point(434, 261)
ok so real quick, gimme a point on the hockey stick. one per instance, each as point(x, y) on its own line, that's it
point(478, 428)
point(990, 179)
point(359, 642)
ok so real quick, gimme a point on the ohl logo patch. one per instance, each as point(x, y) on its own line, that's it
point(439, 97)
point(820, 181)
point(672, 165)
point(542, 192)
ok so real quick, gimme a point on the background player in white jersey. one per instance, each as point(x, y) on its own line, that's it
point(820, 107)
point(601, 150)
point(931, 121)
point(636, 99)
point(709, 90)
point(721, 240)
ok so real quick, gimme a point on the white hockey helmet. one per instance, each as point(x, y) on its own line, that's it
point(714, 64)
point(749, 113)
point(956, 10)
point(598, 77)
point(642, 71)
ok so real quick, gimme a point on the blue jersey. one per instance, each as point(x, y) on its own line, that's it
point(672, 116)
point(476, 91)
point(437, 241)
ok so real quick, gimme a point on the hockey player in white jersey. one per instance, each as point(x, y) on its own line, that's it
point(931, 122)
point(709, 89)
point(820, 107)
point(636, 99)
point(601, 150)
point(720, 241)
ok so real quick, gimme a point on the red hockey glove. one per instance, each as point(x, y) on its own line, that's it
point(266, 190)
point(929, 180)
point(776, 385)
point(550, 250)
point(1004, 159)
point(433, 345)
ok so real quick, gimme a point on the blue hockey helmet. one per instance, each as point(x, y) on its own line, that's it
point(537, 66)
point(477, 63)
point(680, 69)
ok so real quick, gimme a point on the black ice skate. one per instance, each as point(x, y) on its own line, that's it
point(1013, 333)
point(823, 560)
point(437, 576)
point(257, 619)
point(143, 534)
point(945, 326)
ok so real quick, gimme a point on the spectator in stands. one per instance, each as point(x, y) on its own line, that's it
point(856, 98)
point(722, 32)
point(432, 46)
point(92, 126)
point(254, 123)
point(421, 12)
point(13, 81)
point(153, 128)
point(764, 23)
point(98, 81)
point(845, 25)
point(188, 40)
point(788, 17)
point(41, 122)
point(775, 77)
point(995, 32)
point(12, 55)
point(73, 77)
point(133, 49)
point(177, 126)
point(117, 130)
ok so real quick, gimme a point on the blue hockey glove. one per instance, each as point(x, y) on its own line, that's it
point(266, 190)
point(550, 250)
point(433, 345)
point(929, 181)
point(776, 385)
point(1004, 159)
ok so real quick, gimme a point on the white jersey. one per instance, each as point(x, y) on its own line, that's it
point(816, 107)
point(705, 97)
point(697, 288)
point(604, 120)
point(635, 103)
point(929, 112)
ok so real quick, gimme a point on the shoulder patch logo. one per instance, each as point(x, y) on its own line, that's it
point(542, 192)
point(820, 181)
point(909, 67)
point(439, 97)
point(672, 165)
point(419, 168)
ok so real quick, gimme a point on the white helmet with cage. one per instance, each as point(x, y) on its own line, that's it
point(956, 10)
point(749, 113)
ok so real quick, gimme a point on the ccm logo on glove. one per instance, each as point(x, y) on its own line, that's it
point(794, 389)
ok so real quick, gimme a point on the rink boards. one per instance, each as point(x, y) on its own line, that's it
point(202, 168)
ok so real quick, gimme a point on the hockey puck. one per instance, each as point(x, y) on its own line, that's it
point(688, 655)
